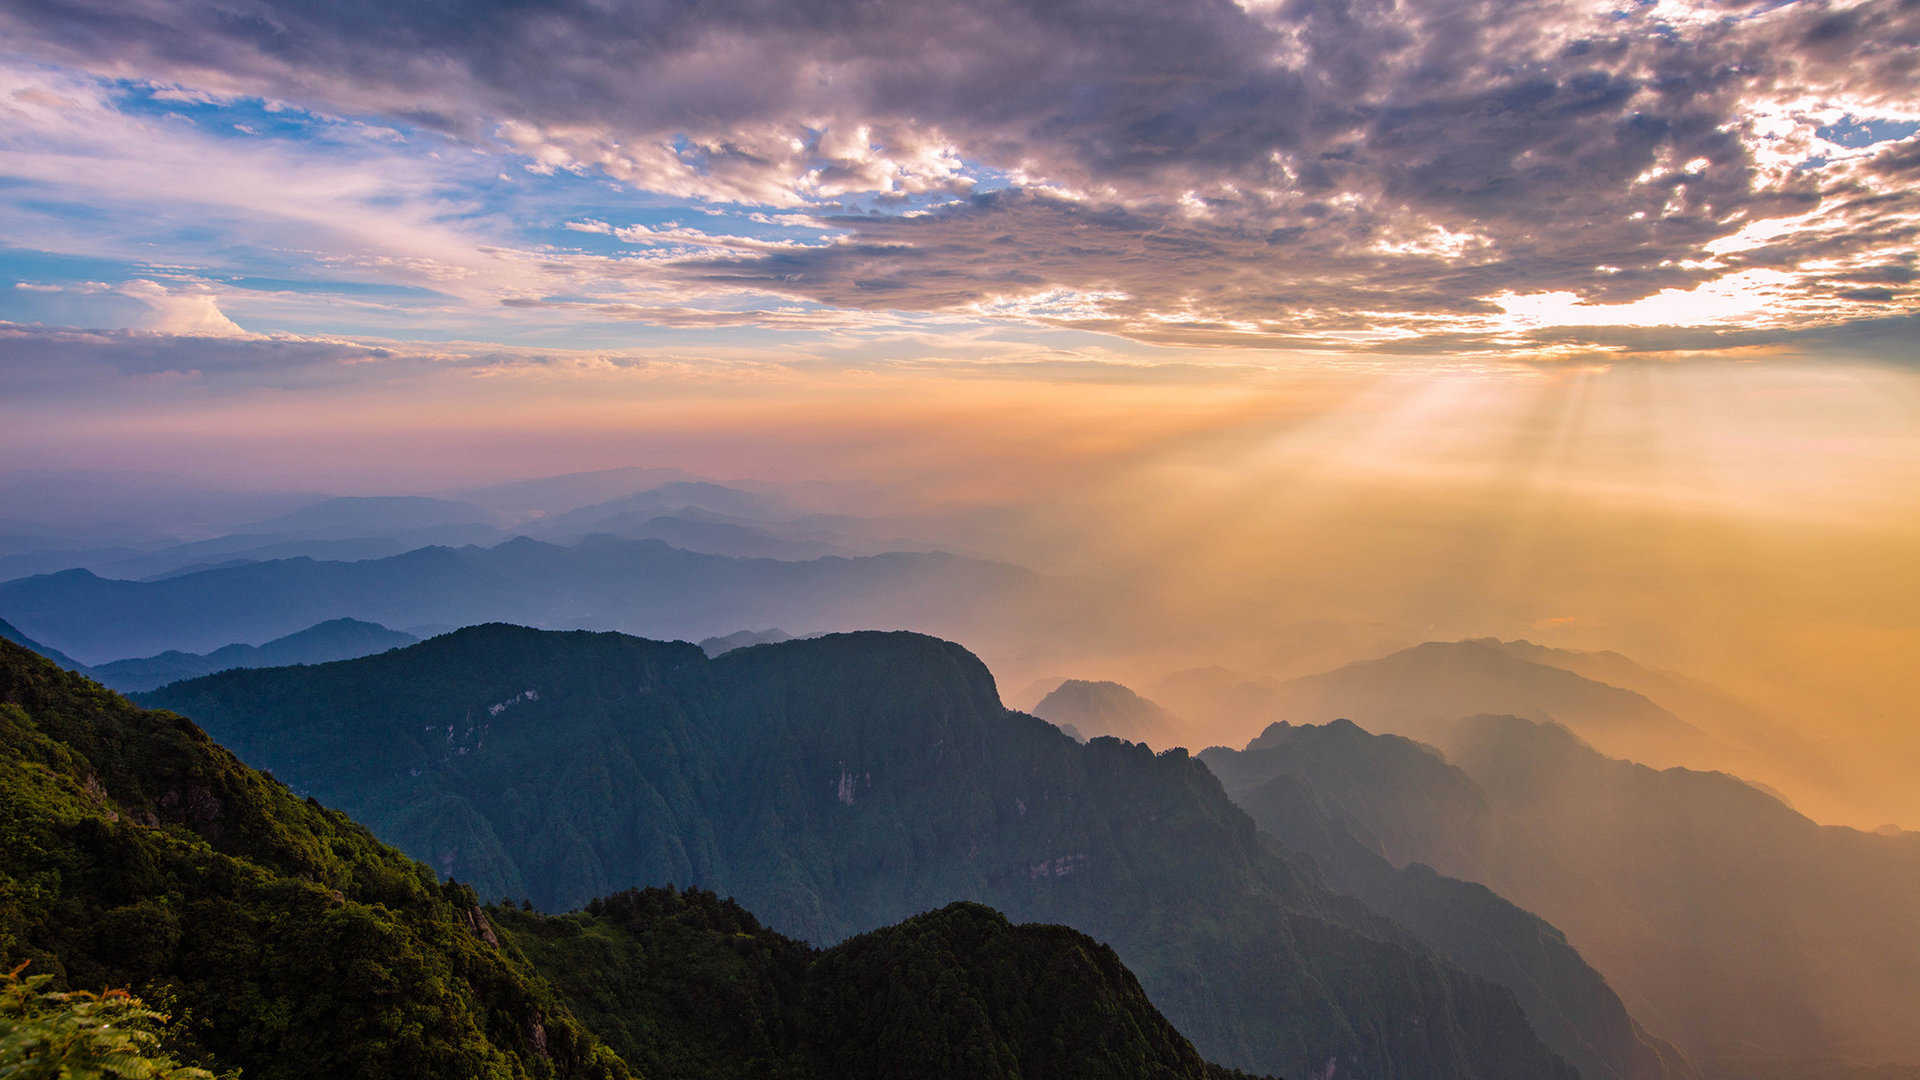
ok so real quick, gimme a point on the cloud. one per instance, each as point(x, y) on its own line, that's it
point(188, 313)
point(1305, 173)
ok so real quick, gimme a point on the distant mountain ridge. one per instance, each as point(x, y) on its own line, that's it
point(1363, 807)
point(347, 517)
point(1419, 692)
point(741, 639)
point(9, 632)
point(641, 586)
point(667, 499)
point(336, 639)
point(672, 508)
point(1752, 741)
point(839, 783)
point(1091, 709)
point(1664, 879)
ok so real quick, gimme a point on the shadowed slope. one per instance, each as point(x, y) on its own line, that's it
point(689, 986)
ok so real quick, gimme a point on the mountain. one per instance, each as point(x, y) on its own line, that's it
point(1361, 806)
point(289, 943)
point(231, 550)
point(666, 500)
point(1218, 702)
point(80, 509)
point(139, 854)
point(1666, 879)
point(838, 784)
point(336, 639)
point(9, 633)
point(642, 586)
point(1755, 743)
point(546, 496)
point(683, 984)
point(1399, 797)
point(1757, 940)
point(1418, 692)
point(740, 639)
point(693, 532)
point(1107, 708)
point(350, 517)
point(1031, 693)
point(340, 528)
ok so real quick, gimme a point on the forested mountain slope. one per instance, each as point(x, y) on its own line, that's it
point(289, 943)
point(135, 852)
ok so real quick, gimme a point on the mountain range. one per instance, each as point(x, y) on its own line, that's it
point(740, 639)
point(289, 943)
point(630, 504)
point(335, 639)
point(601, 582)
point(1728, 922)
point(841, 783)
point(9, 632)
point(1749, 740)
point(1419, 691)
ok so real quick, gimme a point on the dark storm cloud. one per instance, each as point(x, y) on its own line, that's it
point(1304, 167)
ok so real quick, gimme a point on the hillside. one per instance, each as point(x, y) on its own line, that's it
point(838, 784)
point(686, 985)
point(137, 853)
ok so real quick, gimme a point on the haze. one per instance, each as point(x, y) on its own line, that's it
point(1410, 511)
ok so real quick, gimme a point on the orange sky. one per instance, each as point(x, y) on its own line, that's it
point(1754, 525)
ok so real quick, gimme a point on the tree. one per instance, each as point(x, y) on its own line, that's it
point(79, 1035)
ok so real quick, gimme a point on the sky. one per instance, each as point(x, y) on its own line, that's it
point(1589, 321)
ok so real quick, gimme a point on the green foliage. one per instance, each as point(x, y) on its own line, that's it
point(135, 852)
point(687, 985)
point(80, 1035)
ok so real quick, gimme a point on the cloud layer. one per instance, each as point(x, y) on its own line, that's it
point(1304, 174)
